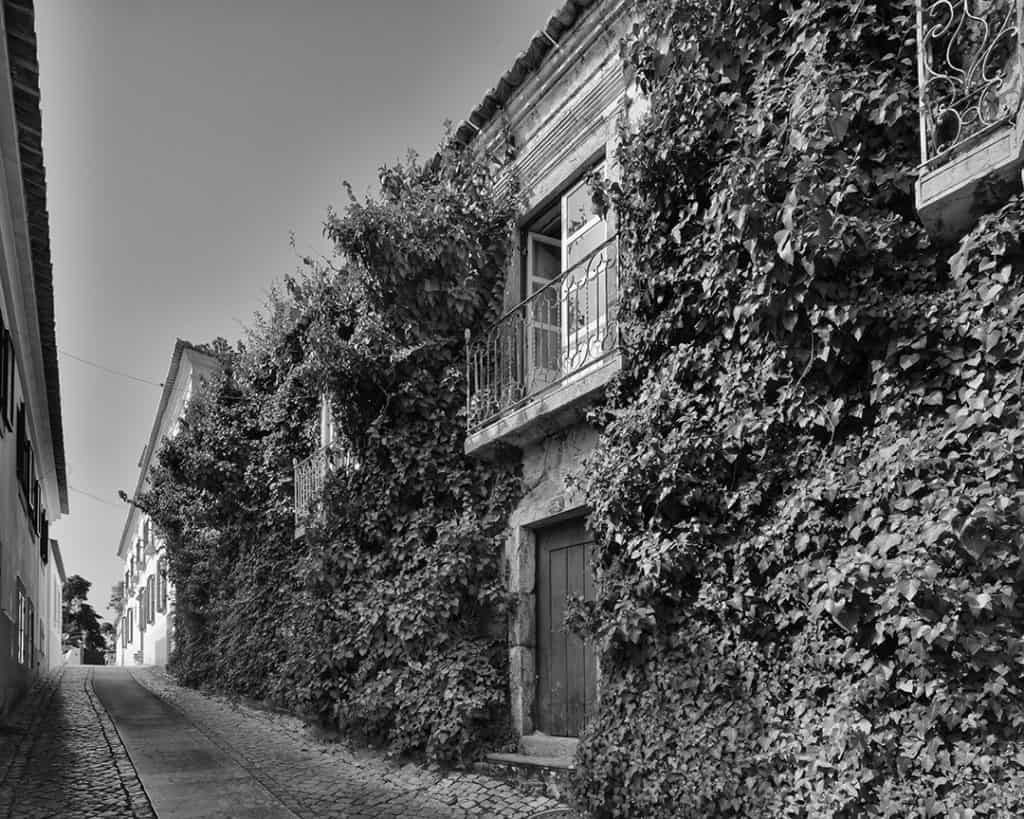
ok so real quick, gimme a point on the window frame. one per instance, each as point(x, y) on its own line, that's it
point(31, 634)
point(161, 585)
point(20, 613)
point(6, 379)
point(150, 600)
point(44, 538)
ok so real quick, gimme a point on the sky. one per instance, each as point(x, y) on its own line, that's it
point(186, 142)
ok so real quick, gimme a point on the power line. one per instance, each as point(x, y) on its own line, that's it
point(109, 369)
point(97, 498)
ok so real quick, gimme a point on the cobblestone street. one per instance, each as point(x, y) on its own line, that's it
point(111, 742)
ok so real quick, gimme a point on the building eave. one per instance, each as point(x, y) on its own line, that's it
point(563, 21)
point(23, 65)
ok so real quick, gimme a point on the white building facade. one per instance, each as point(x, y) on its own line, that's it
point(33, 480)
point(145, 626)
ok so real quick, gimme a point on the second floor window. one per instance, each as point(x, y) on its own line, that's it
point(23, 460)
point(161, 585)
point(6, 379)
point(44, 538)
point(150, 599)
point(567, 284)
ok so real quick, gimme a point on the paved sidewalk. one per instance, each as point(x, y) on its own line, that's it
point(184, 774)
point(93, 741)
point(329, 780)
point(61, 757)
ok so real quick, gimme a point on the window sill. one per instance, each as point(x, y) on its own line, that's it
point(952, 194)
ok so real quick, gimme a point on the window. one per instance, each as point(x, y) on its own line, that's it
point(23, 450)
point(161, 585)
point(567, 283)
point(6, 378)
point(44, 538)
point(21, 613)
point(30, 633)
point(25, 466)
point(150, 599)
point(34, 506)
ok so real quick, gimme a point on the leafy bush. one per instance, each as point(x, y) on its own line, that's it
point(808, 492)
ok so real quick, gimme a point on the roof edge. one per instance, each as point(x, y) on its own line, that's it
point(180, 347)
point(23, 66)
point(559, 25)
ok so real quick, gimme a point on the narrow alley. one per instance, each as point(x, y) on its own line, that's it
point(117, 742)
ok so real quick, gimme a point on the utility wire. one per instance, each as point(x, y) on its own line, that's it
point(96, 498)
point(109, 369)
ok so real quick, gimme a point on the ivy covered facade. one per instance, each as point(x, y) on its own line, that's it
point(674, 342)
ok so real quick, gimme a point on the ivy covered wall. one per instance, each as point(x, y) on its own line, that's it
point(388, 616)
point(808, 489)
point(807, 492)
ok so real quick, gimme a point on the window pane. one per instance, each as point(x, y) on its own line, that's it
point(546, 264)
point(579, 209)
point(584, 244)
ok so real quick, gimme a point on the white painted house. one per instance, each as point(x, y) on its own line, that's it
point(33, 480)
point(145, 627)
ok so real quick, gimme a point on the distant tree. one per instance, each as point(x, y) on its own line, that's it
point(117, 597)
point(81, 625)
point(110, 641)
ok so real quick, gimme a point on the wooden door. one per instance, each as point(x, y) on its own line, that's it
point(566, 665)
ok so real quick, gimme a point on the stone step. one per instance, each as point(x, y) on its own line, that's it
point(543, 745)
point(531, 775)
point(561, 763)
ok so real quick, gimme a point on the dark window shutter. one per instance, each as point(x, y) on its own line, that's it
point(8, 343)
point(20, 447)
point(161, 586)
point(44, 539)
point(36, 506)
point(5, 364)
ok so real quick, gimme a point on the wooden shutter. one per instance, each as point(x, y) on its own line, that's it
point(6, 381)
point(7, 344)
point(161, 586)
point(44, 539)
point(20, 439)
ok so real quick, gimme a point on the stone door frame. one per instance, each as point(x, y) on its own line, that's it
point(522, 561)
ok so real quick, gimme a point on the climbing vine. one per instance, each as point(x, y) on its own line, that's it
point(387, 617)
point(808, 490)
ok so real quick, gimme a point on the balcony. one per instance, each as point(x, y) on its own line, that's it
point(969, 68)
point(310, 477)
point(540, 363)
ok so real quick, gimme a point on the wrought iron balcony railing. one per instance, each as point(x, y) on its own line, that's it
point(311, 474)
point(969, 71)
point(557, 331)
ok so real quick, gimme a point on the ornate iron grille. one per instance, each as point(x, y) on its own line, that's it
point(554, 333)
point(969, 69)
point(311, 474)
